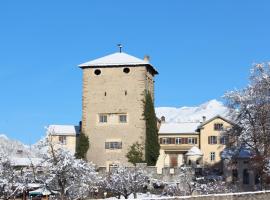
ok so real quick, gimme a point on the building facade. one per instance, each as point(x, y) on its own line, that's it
point(64, 136)
point(114, 89)
point(191, 143)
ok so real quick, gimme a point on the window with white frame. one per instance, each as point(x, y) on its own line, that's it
point(123, 118)
point(103, 118)
point(192, 140)
point(224, 140)
point(212, 156)
point(165, 140)
point(62, 139)
point(178, 140)
point(113, 145)
point(212, 140)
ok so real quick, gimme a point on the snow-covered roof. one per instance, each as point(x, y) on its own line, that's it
point(194, 151)
point(178, 128)
point(63, 130)
point(217, 116)
point(241, 152)
point(244, 153)
point(18, 161)
point(117, 59)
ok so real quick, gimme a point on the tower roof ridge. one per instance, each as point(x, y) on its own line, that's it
point(116, 59)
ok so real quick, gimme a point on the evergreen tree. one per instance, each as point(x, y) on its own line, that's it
point(151, 143)
point(135, 153)
point(82, 146)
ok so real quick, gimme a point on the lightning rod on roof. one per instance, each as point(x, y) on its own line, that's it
point(120, 47)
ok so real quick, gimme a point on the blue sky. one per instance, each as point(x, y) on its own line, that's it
point(200, 48)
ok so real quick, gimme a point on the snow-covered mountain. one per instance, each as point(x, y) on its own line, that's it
point(15, 148)
point(193, 114)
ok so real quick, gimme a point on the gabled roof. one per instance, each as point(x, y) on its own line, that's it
point(179, 128)
point(213, 118)
point(63, 130)
point(117, 59)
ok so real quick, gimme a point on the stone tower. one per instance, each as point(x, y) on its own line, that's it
point(112, 105)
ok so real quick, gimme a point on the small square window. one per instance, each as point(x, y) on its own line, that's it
point(63, 140)
point(218, 127)
point(123, 118)
point(103, 118)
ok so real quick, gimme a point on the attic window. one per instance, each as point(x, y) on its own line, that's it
point(97, 72)
point(126, 70)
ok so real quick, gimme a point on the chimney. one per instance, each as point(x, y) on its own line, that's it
point(203, 118)
point(146, 58)
point(163, 119)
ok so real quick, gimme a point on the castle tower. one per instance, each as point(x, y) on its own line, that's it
point(112, 105)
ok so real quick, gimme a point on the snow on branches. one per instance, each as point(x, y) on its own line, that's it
point(10, 181)
point(72, 178)
point(251, 114)
point(125, 181)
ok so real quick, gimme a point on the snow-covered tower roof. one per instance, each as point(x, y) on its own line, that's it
point(118, 59)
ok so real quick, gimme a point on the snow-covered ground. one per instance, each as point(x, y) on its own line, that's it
point(211, 196)
point(193, 114)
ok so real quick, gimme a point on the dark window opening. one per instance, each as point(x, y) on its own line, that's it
point(234, 175)
point(126, 70)
point(257, 179)
point(105, 93)
point(245, 177)
point(97, 72)
point(125, 93)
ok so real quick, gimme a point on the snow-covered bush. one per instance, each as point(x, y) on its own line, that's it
point(188, 184)
point(10, 183)
point(72, 178)
point(125, 181)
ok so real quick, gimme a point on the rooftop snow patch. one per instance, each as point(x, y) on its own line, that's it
point(193, 114)
point(116, 59)
point(63, 130)
point(18, 161)
point(184, 127)
point(194, 151)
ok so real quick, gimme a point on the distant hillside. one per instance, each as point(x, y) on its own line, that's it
point(193, 114)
